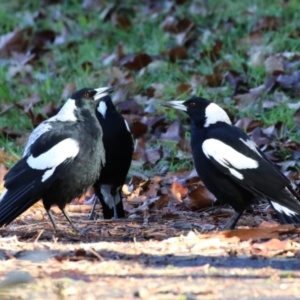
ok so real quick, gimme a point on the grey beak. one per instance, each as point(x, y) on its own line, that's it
point(175, 104)
point(102, 92)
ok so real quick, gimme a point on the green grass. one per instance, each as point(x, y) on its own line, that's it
point(90, 39)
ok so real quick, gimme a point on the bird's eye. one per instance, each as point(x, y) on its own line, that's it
point(191, 104)
point(86, 95)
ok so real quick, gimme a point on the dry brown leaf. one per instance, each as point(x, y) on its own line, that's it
point(258, 233)
point(272, 247)
point(120, 22)
point(135, 62)
point(184, 88)
point(162, 202)
point(16, 41)
point(179, 190)
point(200, 198)
point(176, 53)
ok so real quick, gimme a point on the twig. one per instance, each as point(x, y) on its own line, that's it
point(38, 236)
point(96, 254)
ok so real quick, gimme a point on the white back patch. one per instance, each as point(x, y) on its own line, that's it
point(283, 209)
point(35, 134)
point(127, 126)
point(225, 155)
point(250, 144)
point(214, 113)
point(102, 108)
point(55, 156)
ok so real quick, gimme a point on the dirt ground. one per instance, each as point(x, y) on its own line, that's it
point(164, 258)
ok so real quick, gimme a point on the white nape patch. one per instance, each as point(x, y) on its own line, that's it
point(55, 156)
point(102, 108)
point(177, 105)
point(3, 194)
point(250, 144)
point(283, 209)
point(214, 113)
point(226, 156)
point(36, 133)
point(127, 125)
point(66, 113)
point(106, 193)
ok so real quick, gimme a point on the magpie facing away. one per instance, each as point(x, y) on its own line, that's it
point(232, 167)
point(60, 161)
point(118, 145)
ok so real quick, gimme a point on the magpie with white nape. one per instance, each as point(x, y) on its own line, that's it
point(118, 145)
point(61, 159)
point(232, 167)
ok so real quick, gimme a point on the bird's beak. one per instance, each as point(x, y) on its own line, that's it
point(175, 104)
point(102, 92)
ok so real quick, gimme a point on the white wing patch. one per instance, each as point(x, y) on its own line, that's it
point(250, 144)
point(283, 209)
point(127, 126)
point(214, 113)
point(36, 133)
point(55, 156)
point(227, 157)
point(3, 194)
point(102, 108)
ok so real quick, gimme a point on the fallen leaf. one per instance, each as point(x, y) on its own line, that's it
point(272, 247)
point(179, 190)
point(200, 198)
point(176, 53)
point(136, 61)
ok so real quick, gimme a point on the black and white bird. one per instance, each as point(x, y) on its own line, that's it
point(232, 167)
point(118, 145)
point(61, 159)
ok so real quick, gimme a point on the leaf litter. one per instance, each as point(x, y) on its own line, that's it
point(171, 237)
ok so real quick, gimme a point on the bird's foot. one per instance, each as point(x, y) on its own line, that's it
point(233, 220)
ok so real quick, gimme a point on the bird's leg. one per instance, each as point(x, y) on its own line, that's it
point(52, 219)
point(233, 220)
point(92, 214)
point(116, 199)
point(69, 220)
point(115, 208)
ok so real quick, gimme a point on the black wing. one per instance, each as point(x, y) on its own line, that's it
point(26, 183)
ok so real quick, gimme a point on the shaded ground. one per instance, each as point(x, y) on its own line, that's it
point(128, 259)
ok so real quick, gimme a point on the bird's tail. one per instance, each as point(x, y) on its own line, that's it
point(13, 204)
point(287, 208)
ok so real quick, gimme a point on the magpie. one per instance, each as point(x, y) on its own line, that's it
point(60, 161)
point(231, 165)
point(118, 145)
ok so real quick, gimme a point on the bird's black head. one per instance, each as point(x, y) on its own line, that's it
point(91, 94)
point(201, 111)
